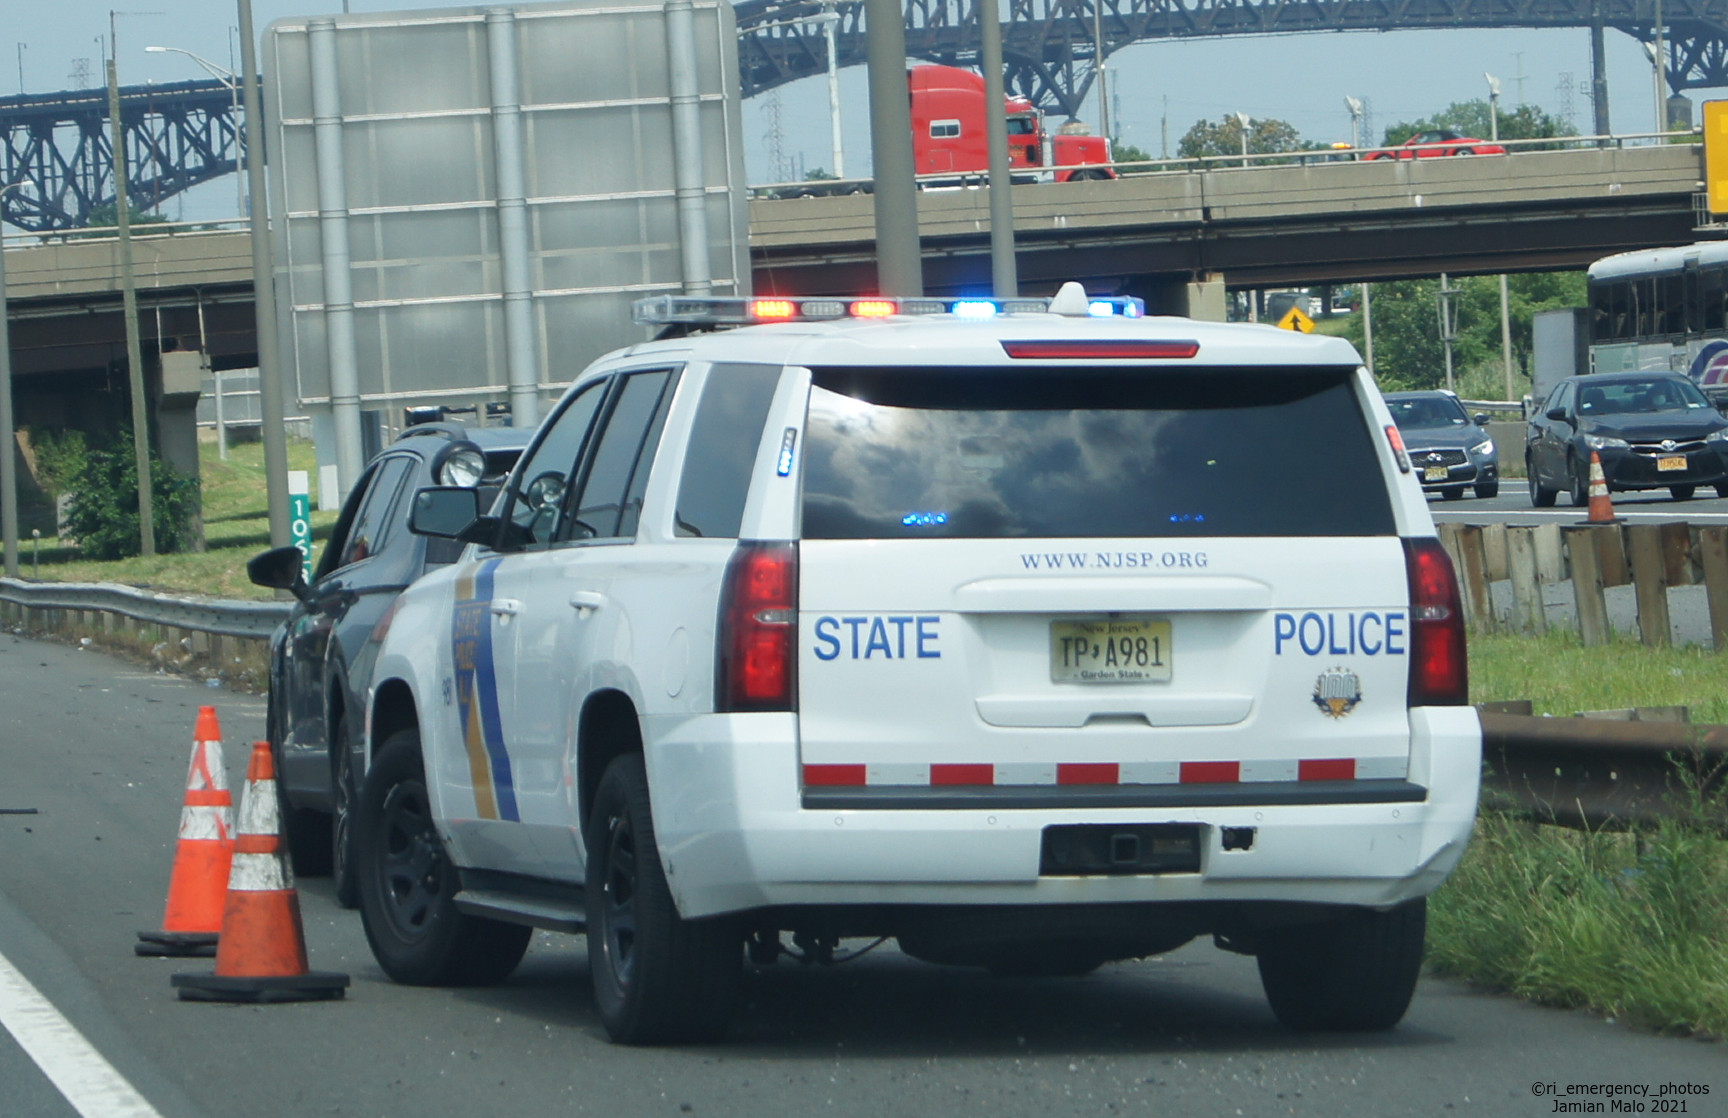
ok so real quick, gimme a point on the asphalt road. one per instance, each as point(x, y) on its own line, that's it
point(97, 748)
point(1512, 506)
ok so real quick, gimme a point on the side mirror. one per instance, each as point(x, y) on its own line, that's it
point(280, 568)
point(1480, 419)
point(443, 511)
point(1558, 414)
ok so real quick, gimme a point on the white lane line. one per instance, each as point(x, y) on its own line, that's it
point(76, 1069)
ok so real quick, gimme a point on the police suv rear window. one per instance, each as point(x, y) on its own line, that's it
point(905, 453)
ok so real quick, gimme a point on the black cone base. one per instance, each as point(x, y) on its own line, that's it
point(176, 944)
point(309, 987)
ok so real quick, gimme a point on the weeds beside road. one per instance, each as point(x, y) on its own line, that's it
point(236, 527)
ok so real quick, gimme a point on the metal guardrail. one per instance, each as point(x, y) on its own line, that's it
point(221, 616)
point(1577, 772)
point(1582, 772)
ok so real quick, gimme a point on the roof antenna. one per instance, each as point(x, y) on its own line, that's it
point(1071, 300)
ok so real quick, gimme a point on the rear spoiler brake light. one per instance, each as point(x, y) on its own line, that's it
point(1099, 350)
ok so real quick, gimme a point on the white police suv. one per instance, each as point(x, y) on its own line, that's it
point(1033, 635)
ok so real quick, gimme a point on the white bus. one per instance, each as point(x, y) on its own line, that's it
point(1663, 309)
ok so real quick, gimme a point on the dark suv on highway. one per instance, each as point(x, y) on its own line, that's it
point(321, 657)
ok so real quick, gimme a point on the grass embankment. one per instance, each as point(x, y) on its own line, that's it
point(236, 527)
point(1631, 925)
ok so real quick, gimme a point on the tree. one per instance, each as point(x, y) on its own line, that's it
point(1526, 122)
point(103, 512)
point(1265, 137)
point(1407, 349)
point(1128, 153)
point(106, 215)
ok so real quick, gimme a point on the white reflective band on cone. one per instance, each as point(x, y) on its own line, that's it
point(259, 873)
point(258, 809)
point(206, 823)
point(207, 773)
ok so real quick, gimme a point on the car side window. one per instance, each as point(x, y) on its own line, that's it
point(722, 449)
point(372, 525)
point(611, 495)
point(1562, 398)
point(543, 478)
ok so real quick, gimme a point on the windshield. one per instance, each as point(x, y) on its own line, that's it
point(1422, 412)
point(995, 453)
point(1638, 397)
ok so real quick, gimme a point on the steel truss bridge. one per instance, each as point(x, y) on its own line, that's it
point(180, 135)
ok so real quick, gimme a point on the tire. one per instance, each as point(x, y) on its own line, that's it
point(1464, 151)
point(1489, 489)
point(1722, 489)
point(1682, 492)
point(1355, 973)
point(1452, 492)
point(658, 978)
point(1580, 484)
point(1540, 495)
point(342, 816)
point(407, 884)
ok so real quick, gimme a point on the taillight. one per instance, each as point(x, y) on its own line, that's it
point(1439, 672)
point(757, 665)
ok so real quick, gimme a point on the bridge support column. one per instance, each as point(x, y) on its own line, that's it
point(180, 376)
point(1204, 296)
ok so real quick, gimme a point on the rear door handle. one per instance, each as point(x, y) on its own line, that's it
point(506, 607)
point(584, 600)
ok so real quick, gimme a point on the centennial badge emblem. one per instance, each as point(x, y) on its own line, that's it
point(1337, 692)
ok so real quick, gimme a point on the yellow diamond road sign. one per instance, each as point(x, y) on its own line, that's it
point(1294, 319)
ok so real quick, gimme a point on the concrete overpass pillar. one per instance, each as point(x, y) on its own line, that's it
point(1205, 297)
point(180, 380)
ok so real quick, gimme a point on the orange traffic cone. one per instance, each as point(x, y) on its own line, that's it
point(200, 878)
point(262, 954)
point(1601, 505)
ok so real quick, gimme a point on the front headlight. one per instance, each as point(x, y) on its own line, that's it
point(1603, 442)
point(1717, 436)
point(1483, 448)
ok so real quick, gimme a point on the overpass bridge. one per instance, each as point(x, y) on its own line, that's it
point(1143, 234)
point(182, 134)
point(1149, 235)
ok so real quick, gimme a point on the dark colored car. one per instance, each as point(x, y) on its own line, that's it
point(1449, 448)
point(321, 658)
point(1438, 142)
point(1651, 431)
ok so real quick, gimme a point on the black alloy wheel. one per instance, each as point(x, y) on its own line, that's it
point(1580, 479)
point(1540, 495)
point(342, 816)
point(407, 884)
point(658, 978)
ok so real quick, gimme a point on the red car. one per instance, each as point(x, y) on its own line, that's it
point(1437, 142)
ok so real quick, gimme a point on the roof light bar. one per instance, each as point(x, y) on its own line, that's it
point(694, 310)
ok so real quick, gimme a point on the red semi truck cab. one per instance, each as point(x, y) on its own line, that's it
point(948, 131)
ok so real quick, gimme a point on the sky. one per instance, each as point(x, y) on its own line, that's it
point(1158, 88)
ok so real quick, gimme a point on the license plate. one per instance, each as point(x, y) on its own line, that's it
point(1677, 462)
point(1134, 649)
point(1434, 473)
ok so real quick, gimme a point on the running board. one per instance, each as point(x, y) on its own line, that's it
point(554, 906)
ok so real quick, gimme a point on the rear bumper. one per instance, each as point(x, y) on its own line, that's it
point(736, 832)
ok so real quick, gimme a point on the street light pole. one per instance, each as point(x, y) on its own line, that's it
point(232, 81)
point(129, 301)
point(270, 406)
point(1505, 301)
point(8, 447)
